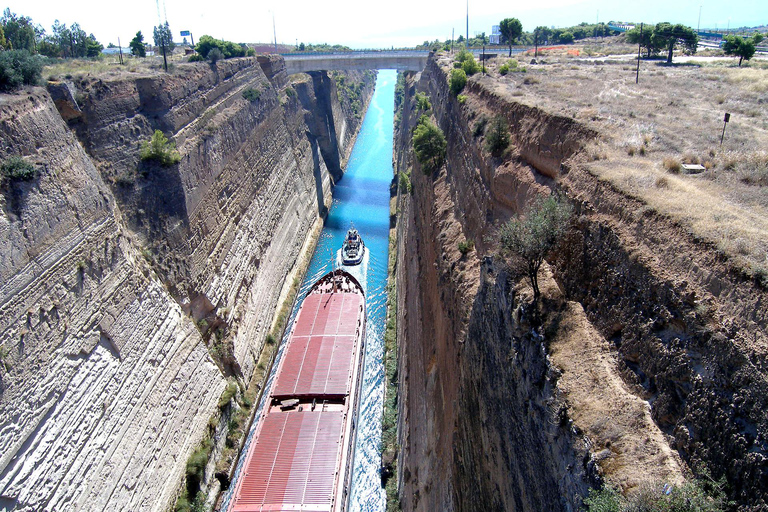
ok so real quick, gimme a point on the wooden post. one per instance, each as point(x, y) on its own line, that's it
point(639, 47)
point(120, 48)
point(725, 123)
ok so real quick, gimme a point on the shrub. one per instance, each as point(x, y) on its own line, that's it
point(700, 495)
point(251, 94)
point(16, 168)
point(429, 145)
point(458, 81)
point(227, 395)
point(672, 165)
point(196, 58)
point(497, 139)
point(215, 55)
point(422, 102)
point(462, 98)
point(17, 68)
point(161, 149)
point(504, 69)
point(405, 182)
point(206, 44)
point(470, 66)
point(466, 246)
point(464, 55)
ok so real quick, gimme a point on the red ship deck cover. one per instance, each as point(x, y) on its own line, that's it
point(321, 357)
point(293, 463)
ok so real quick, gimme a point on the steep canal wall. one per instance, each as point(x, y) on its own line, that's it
point(130, 290)
point(650, 359)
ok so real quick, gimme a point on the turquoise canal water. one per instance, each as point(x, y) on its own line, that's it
point(361, 198)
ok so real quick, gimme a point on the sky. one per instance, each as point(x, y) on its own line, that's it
point(361, 24)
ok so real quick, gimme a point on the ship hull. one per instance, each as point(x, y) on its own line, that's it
point(302, 455)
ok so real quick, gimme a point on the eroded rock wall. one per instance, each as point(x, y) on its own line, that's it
point(479, 417)
point(108, 264)
point(225, 225)
point(105, 385)
point(686, 330)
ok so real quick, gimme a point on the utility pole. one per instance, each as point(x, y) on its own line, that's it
point(639, 46)
point(452, 40)
point(698, 27)
point(274, 31)
point(120, 48)
point(483, 55)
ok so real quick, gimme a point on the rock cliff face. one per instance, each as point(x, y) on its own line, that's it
point(106, 383)
point(496, 417)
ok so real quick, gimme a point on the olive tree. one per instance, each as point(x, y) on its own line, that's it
point(530, 237)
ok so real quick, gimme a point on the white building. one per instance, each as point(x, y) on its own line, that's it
point(495, 35)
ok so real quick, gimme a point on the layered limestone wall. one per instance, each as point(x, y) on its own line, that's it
point(226, 224)
point(480, 425)
point(671, 340)
point(108, 264)
point(105, 384)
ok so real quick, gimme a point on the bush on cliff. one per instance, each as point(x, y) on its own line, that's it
point(17, 68)
point(497, 138)
point(227, 48)
point(16, 168)
point(429, 145)
point(457, 81)
point(531, 237)
point(161, 149)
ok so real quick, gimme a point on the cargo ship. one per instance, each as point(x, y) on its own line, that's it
point(302, 454)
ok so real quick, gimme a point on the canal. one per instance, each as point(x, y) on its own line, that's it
point(361, 198)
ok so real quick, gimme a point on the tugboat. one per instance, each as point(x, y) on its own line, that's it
point(353, 249)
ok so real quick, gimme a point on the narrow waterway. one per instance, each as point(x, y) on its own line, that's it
point(361, 198)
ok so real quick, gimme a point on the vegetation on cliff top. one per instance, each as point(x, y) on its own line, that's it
point(17, 68)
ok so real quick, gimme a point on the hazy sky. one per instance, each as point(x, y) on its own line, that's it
point(362, 24)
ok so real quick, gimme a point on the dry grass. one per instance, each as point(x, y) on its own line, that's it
point(108, 66)
point(628, 446)
point(673, 116)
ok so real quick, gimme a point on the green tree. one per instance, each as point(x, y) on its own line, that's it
point(17, 68)
point(647, 39)
point(163, 36)
point(511, 29)
point(532, 236)
point(137, 45)
point(565, 38)
point(429, 145)
point(757, 38)
point(744, 49)
point(19, 31)
point(92, 47)
point(3, 41)
point(672, 35)
point(541, 35)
